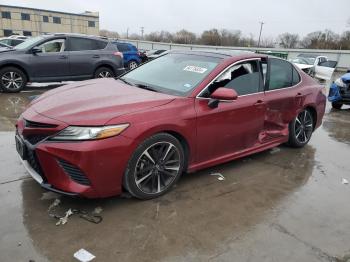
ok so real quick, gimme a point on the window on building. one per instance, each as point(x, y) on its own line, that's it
point(6, 15)
point(8, 32)
point(27, 33)
point(25, 16)
point(45, 19)
point(56, 20)
point(91, 23)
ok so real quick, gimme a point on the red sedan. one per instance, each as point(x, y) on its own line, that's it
point(179, 113)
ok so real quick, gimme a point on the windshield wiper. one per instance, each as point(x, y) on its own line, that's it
point(146, 87)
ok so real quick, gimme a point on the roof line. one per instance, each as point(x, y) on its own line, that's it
point(45, 10)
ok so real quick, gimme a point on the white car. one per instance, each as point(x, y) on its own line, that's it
point(317, 66)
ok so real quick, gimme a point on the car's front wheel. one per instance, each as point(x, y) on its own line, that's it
point(104, 72)
point(155, 166)
point(300, 129)
point(336, 105)
point(132, 65)
point(12, 80)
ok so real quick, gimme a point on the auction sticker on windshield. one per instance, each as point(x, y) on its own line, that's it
point(195, 69)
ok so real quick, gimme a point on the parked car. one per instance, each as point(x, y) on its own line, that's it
point(155, 53)
point(59, 57)
point(315, 65)
point(11, 41)
point(182, 112)
point(131, 55)
point(339, 92)
point(2, 45)
point(143, 55)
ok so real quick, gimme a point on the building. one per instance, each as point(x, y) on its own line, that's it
point(32, 21)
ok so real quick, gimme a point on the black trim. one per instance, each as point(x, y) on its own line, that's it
point(50, 188)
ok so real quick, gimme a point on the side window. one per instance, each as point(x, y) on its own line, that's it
point(281, 74)
point(81, 44)
point(101, 44)
point(122, 47)
point(296, 76)
point(245, 78)
point(53, 46)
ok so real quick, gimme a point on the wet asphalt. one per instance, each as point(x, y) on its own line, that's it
point(280, 205)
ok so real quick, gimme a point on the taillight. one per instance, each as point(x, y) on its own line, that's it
point(118, 54)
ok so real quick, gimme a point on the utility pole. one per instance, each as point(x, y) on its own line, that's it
point(142, 30)
point(261, 26)
point(127, 33)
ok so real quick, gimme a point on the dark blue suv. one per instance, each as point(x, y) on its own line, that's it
point(131, 55)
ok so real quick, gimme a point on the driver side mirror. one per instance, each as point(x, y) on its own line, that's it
point(222, 93)
point(36, 50)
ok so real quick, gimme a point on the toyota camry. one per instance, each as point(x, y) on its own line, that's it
point(182, 112)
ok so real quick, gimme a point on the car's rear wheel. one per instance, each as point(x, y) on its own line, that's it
point(104, 72)
point(155, 166)
point(300, 129)
point(12, 80)
point(132, 65)
point(336, 105)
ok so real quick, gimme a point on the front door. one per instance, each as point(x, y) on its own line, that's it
point(236, 125)
point(52, 62)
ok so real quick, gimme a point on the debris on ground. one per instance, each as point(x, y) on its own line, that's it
point(54, 204)
point(97, 210)
point(344, 181)
point(83, 255)
point(64, 220)
point(275, 150)
point(220, 177)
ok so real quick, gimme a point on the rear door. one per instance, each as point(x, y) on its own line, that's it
point(283, 97)
point(85, 53)
point(53, 61)
point(232, 126)
point(325, 69)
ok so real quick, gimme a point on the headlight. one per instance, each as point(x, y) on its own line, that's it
point(340, 83)
point(89, 133)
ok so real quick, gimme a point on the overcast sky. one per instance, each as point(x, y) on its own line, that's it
point(296, 16)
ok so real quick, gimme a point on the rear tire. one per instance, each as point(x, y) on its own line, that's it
point(12, 80)
point(300, 129)
point(104, 72)
point(132, 64)
point(336, 105)
point(155, 166)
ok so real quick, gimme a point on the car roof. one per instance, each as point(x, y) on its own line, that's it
point(219, 53)
point(75, 35)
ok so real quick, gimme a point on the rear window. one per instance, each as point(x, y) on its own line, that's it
point(123, 47)
point(81, 44)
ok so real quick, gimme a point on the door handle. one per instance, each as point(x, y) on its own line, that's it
point(299, 95)
point(95, 56)
point(259, 102)
point(63, 57)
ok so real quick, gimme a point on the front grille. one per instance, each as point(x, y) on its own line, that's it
point(32, 124)
point(33, 161)
point(34, 139)
point(74, 172)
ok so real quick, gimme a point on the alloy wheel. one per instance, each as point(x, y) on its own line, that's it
point(104, 74)
point(132, 65)
point(303, 127)
point(157, 167)
point(12, 80)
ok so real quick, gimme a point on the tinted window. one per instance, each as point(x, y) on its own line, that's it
point(25, 16)
point(6, 15)
point(80, 44)
point(91, 23)
point(296, 76)
point(27, 33)
point(7, 32)
point(123, 47)
point(280, 74)
point(45, 19)
point(16, 42)
point(56, 20)
point(245, 78)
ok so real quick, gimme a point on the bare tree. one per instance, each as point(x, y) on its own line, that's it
point(184, 37)
point(288, 40)
point(210, 37)
point(109, 34)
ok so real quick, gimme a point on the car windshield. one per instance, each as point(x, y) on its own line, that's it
point(304, 60)
point(176, 74)
point(29, 42)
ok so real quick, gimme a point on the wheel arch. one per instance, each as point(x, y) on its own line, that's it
point(313, 112)
point(104, 65)
point(16, 66)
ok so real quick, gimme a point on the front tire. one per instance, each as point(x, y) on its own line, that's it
point(155, 166)
point(300, 129)
point(337, 105)
point(132, 65)
point(104, 72)
point(12, 80)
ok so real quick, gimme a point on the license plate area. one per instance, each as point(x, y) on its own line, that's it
point(21, 148)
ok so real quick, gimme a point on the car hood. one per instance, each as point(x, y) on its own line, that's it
point(303, 66)
point(95, 102)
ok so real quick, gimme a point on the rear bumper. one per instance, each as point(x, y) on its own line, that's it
point(338, 95)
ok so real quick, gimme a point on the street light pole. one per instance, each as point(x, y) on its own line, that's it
point(142, 30)
point(261, 26)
